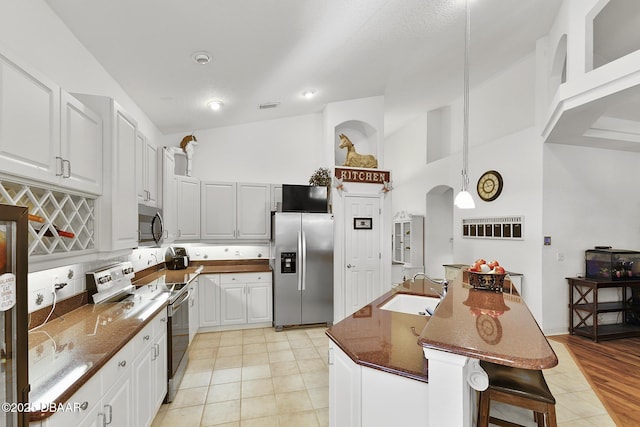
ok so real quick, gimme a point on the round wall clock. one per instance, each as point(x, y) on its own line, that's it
point(489, 186)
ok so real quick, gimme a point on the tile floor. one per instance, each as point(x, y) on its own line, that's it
point(232, 382)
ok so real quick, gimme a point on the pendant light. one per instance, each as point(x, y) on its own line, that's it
point(463, 199)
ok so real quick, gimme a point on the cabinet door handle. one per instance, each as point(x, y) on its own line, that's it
point(146, 337)
point(68, 163)
point(109, 416)
point(84, 405)
point(122, 363)
point(60, 163)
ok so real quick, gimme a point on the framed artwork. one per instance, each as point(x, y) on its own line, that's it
point(362, 223)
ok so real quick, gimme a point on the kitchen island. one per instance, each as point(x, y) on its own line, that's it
point(386, 358)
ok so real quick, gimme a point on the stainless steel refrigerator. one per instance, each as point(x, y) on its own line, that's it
point(303, 270)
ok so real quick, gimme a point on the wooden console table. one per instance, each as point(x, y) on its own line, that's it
point(584, 306)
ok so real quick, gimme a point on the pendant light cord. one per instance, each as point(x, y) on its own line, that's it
point(465, 135)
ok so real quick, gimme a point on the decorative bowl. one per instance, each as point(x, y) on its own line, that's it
point(490, 281)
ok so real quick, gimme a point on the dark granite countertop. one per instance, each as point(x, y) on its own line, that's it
point(492, 326)
point(485, 325)
point(82, 341)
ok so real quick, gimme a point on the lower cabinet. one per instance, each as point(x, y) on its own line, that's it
point(128, 390)
point(245, 298)
point(237, 299)
point(194, 306)
point(362, 396)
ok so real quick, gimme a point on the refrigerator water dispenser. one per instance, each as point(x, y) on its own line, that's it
point(288, 262)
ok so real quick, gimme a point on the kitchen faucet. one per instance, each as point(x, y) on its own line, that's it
point(442, 282)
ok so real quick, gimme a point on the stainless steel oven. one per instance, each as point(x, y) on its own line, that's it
point(177, 338)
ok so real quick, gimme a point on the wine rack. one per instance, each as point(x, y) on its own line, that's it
point(58, 222)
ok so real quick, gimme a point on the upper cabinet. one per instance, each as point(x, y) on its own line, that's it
point(146, 171)
point(235, 211)
point(45, 134)
point(118, 211)
point(169, 195)
point(188, 211)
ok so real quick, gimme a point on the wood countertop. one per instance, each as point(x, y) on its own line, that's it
point(485, 325)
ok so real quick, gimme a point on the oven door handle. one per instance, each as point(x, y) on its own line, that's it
point(176, 304)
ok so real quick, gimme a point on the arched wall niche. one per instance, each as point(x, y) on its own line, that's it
point(558, 74)
point(363, 136)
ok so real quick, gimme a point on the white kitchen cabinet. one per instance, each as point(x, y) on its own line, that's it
point(362, 396)
point(235, 211)
point(118, 208)
point(46, 134)
point(408, 239)
point(209, 300)
point(276, 197)
point(80, 146)
point(128, 390)
point(169, 195)
point(194, 309)
point(188, 208)
point(146, 171)
point(245, 298)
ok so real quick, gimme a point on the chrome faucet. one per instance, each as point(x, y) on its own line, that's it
point(442, 282)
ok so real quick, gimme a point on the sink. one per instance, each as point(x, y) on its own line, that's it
point(411, 304)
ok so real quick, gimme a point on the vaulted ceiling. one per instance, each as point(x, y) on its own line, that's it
point(409, 51)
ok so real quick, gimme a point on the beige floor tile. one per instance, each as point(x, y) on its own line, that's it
point(287, 383)
point(306, 353)
point(271, 421)
point(256, 407)
point(220, 412)
point(319, 397)
point(255, 388)
point(228, 362)
point(205, 353)
point(294, 334)
point(317, 332)
point(231, 350)
point(281, 356)
point(315, 379)
point(299, 419)
point(256, 372)
point(199, 365)
point(226, 341)
point(223, 376)
point(253, 332)
point(254, 339)
point(224, 392)
point(302, 342)
point(284, 368)
point(189, 397)
point(273, 347)
point(272, 336)
point(312, 365)
point(323, 417)
point(255, 359)
point(189, 416)
point(198, 379)
point(254, 348)
point(293, 401)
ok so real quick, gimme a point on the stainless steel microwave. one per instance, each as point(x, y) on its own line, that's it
point(150, 226)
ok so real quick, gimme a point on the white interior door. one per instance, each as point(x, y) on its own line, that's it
point(363, 268)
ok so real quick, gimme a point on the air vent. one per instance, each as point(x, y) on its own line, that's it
point(267, 105)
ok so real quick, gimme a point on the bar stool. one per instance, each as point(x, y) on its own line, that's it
point(525, 388)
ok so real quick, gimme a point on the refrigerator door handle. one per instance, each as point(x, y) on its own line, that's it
point(304, 261)
point(300, 261)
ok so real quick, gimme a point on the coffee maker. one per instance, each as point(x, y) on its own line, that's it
point(176, 258)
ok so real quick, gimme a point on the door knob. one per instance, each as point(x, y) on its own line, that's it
point(351, 266)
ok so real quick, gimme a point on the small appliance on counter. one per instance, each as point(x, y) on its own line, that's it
point(176, 258)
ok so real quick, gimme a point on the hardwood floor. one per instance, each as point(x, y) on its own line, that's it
point(613, 369)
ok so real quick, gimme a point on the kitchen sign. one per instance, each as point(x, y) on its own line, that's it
point(369, 176)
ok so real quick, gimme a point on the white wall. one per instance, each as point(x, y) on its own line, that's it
point(34, 33)
point(277, 151)
point(589, 200)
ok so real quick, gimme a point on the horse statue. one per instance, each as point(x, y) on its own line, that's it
point(188, 144)
point(354, 159)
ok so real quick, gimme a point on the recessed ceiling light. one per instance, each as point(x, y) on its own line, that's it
point(201, 57)
point(215, 105)
point(309, 93)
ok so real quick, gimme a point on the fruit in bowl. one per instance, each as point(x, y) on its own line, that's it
point(487, 275)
